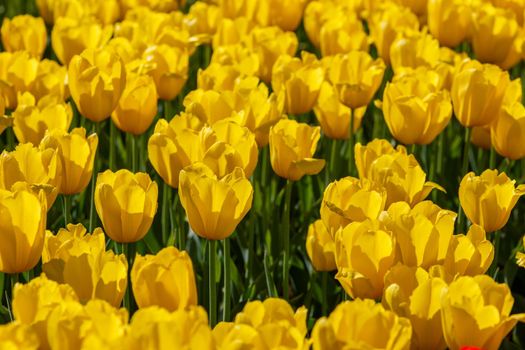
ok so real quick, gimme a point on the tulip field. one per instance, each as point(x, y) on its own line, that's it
point(262, 174)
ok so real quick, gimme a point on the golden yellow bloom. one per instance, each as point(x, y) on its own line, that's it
point(489, 198)
point(507, 130)
point(356, 77)
point(51, 10)
point(79, 259)
point(107, 12)
point(31, 120)
point(292, 146)
point(137, 106)
point(214, 206)
point(363, 253)
point(77, 155)
point(5, 121)
point(239, 8)
point(218, 77)
point(449, 21)
point(412, 49)
point(29, 167)
point(414, 293)
point(342, 34)
point(126, 204)
point(481, 137)
point(285, 14)
point(320, 247)
point(476, 311)
point(203, 18)
point(165, 279)
point(18, 336)
point(366, 155)
point(477, 92)
point(18, 71)
point(301, 80)
point(415, 111)
point(361, 324)
point(24, 33)
point(71, 36)
point(50, 80)
point(316, 14)
point(230, 31)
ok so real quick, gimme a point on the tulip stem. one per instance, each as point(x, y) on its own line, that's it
point(332, 165)
point(96, 129)
point(165, 211)
point(10, 139)
point(227, 282)
point(492, 158)
point(466, 149)
point(351, 141)
point(286, 236)
point(133, 153)
point(212, 283)
point(129, 250)
point(67, 209)
point(14, 277)
point(324, 283)
point(112, 141)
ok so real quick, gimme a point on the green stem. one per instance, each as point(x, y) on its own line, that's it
point(286, 236)
point(165, 211)
point(167, 110)
point(112, 141)
point(179, 225)
point(67, 209)
point(332, 165)
point(129, 250)
point(464, 170)
point(439, 166)
point(92, 219)
point(413, 149)
point(227, 282)
point(212, 283)
point(133, 153)
point(492, 159)
point(10, 139)
point(324, 283)
point(14, 280)
point(351, 141)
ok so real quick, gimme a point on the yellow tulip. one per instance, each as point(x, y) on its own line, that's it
point(137, 106)
point(209, 106)
point(415, 111)
point(230, 335)
point(506, 131)
point(286, 14)
point(165, 279)
point(477, 93)
point(301, 79)
point(107, 12)
point(320, 247)
point(342, 34)
point(18, 336)
point(418, 7)
point(292, 146)
point(230, 31)
point(361, 324)
point(366, 155)
point(218, 77)
point(363, 253)
point(96, 81)
point(481, 137)
point(350, 199)
point(449, 21)
point(24, 33)
point(77, 155)
point(126, 204)
point(18, 71)
point(203, 18)
point(239, 8)
point(31, 168)
point(356, 77)
point(50, 80)
point(71, 36)
point(31, 120)
point(414, 293)
point(316, 14)
point(412, 49)
point(5, 121)
point(489, 198)
point(51, 10)
point(476, 312)
point(214, 216)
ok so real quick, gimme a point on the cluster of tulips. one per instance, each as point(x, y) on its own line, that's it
point(180, 140)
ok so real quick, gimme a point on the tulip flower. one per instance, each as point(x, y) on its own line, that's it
point(96, 81)
point(137, 106)
point(230, 31)
point(18, 71)
point(203, 19)
point(361, 324)
point(316, 14)
point(50, 80)
point(51, 10)
point(218, 77)
point(481, 137)
point(366, 155)
point(363, 253)
point(301, 79)
point(5, 121)
point(489, 198)
point(31, 120)
point(24, 33)
point(165, 279)
point(506, 129)
point(320, 247)
point(412, 49)
point(18, 336)
point(79, 259)
point(449, 21)
point(342, 34)
point(126, 204)
point(476, 312)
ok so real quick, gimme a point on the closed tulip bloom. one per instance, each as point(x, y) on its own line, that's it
point(214, 216)
point(489, 198)
point(449, 21)
point(23, 216)
point(342, 34)
point(363, 254)
point(18, 336)
point(415, 111)
point(31, 120)
point(476, 311)
point(50, 80)
point(286, 14)
point(361, 324)
point(96, 81)
point(51, 10)
point(477, 93)
point(126, 204)
point(24, 33)
point(412, 49)
point(356, 77)
point(76, 153)
point(506, 131)
point(292, 146)
point(320, 247)
point(301, 79)
point(137, 106)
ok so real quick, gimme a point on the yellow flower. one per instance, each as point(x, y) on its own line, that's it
point(366, 155)
point(285, 14)
point(24, 33)
point(230, 31)
point(476, 312)
point(507, 130)
point(320, 247)
point(341, 34)
point(316, 14)
point(126, 204)
point(239, 8)
point(520, 256)
point(218, 77)
point(481, 137)
point(77, 155)
point(361, 324)
point(165, 279)
point(50, 80)
point(412, 49)
point(31, 120)
point(96, 81)
point(203, 18)
point(489, 198)
point(18, 336)
point(363, 253)
point(292, 146)
point(414, 293)
point(356, 77)
point(51, 10)
point(214, 206)
point(5, 121)
point(449, 21)
point(18, 71)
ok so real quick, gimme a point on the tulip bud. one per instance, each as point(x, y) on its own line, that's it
point(341, 34)
point(449, 21)
point(24, 33)
point(320, 247)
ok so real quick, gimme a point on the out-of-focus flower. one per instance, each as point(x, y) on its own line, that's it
point(342, 34)
point(218, 77)
point(231, 31)
point(449, 21)
point(51, 10)
point(50, 80)
point(320, 247)
point(520, 256)
point(203, 19)
point(165, 279)
point(489, 198)
point(476, 311)
point(154, 5)
point(316, 14)
point(107, 11)
point(285, 14)
point(361, 324)
point(367, 154)
point(506, 131)
point(292, 146)
point(18, 71)
point(18, 336)
point(412, 49)
point(481, 137)
point(239, 8)
point(214, 206)
point(126, 204)
point(418, 7)
point(24, 33)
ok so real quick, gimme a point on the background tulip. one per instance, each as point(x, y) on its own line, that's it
point(24, 33)
point(342, 34)
point(17, 335)
point(320, 247)
point(449, 21)
point(507, 129)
